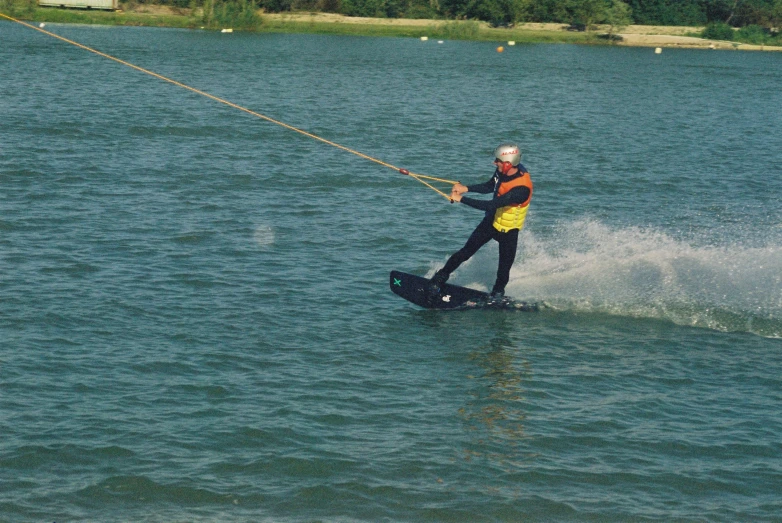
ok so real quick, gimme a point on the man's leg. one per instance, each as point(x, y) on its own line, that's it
point(477, 239)
point(508, 242)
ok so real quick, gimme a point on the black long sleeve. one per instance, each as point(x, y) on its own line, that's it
point(515, 195)
point(485, 187)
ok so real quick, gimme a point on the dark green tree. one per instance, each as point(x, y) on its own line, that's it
point(331, 6)
point(496, 12)
point(618, 16)
point(721, 10)
point(775, 20)
point(547, 11)
point(274, 6)
point(587, 12)
point(396, 8)
point(453, 8)
point(669, 12)
point(423, 9)
point(755, 12)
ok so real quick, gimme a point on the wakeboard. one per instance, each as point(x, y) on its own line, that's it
point(417, 290)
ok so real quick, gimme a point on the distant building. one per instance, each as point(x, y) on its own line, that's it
point(110, 5)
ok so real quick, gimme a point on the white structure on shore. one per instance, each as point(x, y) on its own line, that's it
point(110, 5)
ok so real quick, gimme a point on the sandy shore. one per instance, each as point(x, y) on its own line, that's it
point(634, 35)
point(680, 41)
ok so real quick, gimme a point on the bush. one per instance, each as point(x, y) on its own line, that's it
point(456, 30)
point(18, 8)
point(753, 34)
point(276, 6)
point(239, 14)
point(489, 10)
point(718, 31)
point(423, 12)
point(370, 8)
point(330, 6)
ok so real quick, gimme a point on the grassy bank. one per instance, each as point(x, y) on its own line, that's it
point(158, 16)
point(444, 30)
point(240, 15)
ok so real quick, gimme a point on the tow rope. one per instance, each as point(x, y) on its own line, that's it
point(419, 177)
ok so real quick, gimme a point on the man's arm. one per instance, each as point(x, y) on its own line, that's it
point(483, 188)
point(514, 196)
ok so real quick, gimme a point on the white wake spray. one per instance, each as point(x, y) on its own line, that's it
point(590, 267)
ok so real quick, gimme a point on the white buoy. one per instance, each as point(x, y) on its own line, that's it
point(512, 42)
point(42, 25)
point(424, 38)
point(658, 50)
point(227, 31)
point(439, 41)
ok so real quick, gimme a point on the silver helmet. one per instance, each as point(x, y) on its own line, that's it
point(508, 152)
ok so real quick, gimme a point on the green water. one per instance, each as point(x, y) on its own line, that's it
point(195, 320)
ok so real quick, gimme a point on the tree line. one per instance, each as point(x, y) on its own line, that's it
point(579, 14)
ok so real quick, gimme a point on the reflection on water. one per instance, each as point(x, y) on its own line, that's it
point(495, 413)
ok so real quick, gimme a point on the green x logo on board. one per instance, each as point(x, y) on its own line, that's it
point(397, 282)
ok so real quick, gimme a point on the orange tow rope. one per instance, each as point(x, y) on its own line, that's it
point(419, 177)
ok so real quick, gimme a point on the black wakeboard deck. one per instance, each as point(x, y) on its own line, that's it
point(416, 289)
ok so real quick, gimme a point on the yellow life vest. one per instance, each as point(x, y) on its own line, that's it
point(512, 216)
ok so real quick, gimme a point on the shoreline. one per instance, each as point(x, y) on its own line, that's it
point(152, 15)
point(632, 36)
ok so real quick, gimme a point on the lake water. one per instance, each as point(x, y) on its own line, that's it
point(195, 320)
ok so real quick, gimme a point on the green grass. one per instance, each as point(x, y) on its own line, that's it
point(442, 30)
point(67, 16)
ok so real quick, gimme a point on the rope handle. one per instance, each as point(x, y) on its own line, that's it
point(422, 177)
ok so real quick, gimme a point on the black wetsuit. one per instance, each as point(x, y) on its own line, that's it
point(485, 231)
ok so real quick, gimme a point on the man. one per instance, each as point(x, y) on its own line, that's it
point(505, 214)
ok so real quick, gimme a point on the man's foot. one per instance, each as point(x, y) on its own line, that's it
point(437, 281)
point(496, 297)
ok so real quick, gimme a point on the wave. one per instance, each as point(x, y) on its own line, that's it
point(588, 266)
